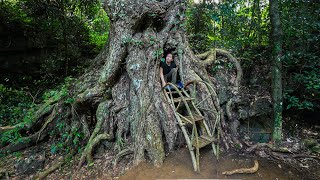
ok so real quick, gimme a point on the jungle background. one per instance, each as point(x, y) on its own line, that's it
point(44, 45)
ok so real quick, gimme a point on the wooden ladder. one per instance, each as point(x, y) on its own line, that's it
point(191, 122)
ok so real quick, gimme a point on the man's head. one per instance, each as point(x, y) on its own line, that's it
point(169, 58)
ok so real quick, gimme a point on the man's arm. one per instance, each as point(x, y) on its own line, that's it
point(176, 62)
point(162, 77)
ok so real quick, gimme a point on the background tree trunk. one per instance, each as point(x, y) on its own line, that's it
point(276, 70)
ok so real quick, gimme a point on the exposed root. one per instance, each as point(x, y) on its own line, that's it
point(91, 95)
point(24, 142)
point(204, 55)
point(234, 123)
point(55, 166)
point(8, 128)
point(281, 156)
point(49, 120)
point(279, 153)
point(306, 156)
point(38, 118)
point(85, 127)
point(224, 139)
point(270, 146)
point(236, 63)
point(208, 57)
point(124, 152)
point(87, 153)
point(28, 141)
point(94, 138)
point(5, 174)
point(244, 170)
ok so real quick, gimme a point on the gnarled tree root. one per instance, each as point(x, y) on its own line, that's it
point(244, 170)
point(24, 142)
point(87, 153)
point(28, 141)
point(40, 115)
point(55, 166)
point(4, 129)
point(124, 152)
point(279, 153)
point(209, 58)
point(270, 146)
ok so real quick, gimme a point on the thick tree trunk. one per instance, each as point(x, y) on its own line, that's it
point(276, 70)
point(140, 32)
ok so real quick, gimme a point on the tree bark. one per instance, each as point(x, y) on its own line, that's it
point(276, 70)
point(140, 32)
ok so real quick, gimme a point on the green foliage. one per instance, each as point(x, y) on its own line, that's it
point(132, 41)
point(220, 64)
point(99, 30)
point(301, 54)
point(67, 33)
point(232, 24)
point(17, 154)
point(65, 136)
point(294, 102)
point(244, 27)
point(10, 137)
point(77, 136)
point(152, 40)
point(14, 104)
point(60, 93)
point(67, 140)
point(158, 53)
point(18, 107)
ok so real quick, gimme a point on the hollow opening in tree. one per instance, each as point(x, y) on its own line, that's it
point(147, 21)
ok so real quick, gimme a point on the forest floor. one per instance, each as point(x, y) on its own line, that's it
point(26, 165)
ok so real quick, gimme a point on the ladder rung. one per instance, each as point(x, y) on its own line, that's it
point(196, 118)
point(203, 141)
point(180, 99)
point(184, 119)
point(173, 92)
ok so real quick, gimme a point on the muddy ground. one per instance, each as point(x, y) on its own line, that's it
point(303, 164)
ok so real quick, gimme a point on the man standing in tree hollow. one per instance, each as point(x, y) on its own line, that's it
point(168, 70)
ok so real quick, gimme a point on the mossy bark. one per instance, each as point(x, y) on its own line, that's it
point(276, 70)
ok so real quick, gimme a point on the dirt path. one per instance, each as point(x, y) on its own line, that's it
point(178, 165)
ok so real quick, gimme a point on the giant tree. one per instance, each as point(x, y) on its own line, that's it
point(120, 98)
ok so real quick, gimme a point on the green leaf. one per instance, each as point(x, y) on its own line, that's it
point(91, 164)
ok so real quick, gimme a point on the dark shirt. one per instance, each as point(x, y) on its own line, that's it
point(166, 68)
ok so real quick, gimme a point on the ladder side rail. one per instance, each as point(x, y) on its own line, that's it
point(194, 129)
point(218, 120)
point(185, 133)
point(184, 118)
point(212, 93)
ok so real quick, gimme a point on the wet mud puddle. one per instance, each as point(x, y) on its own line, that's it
point(178, 166)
